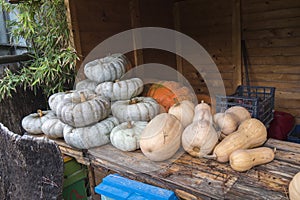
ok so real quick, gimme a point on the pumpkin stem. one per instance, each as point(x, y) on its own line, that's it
point(177, 103)
point(82, 97)
point(116, 81)
point(202, 101)
point(40, 113)
point(133, 101)
point(129, 124)
point(213, 156)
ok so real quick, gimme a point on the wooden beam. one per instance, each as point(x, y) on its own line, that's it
point(14, 58)
point(177, 25)
point(73, 29)
point(135, 23)
point(236, 43)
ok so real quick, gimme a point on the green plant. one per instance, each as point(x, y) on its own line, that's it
point(44, 26)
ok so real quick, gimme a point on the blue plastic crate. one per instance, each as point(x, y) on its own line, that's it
point(259, 101)
point(294, 135)
point(117, 187)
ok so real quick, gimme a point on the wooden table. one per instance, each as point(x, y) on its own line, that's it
point(195, 178)
point(200, 178)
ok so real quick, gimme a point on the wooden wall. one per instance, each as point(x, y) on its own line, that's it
point(210, 24)
point(272, 33)
point(270, 28)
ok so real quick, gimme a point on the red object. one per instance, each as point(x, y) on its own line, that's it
point(281, 125)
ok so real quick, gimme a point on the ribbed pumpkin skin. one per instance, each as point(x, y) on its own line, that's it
point(86, 84)
point(183, 111)
point(167, 93)
point(251, 133)
point(121, 90)
point(294, 187)
point(127, 137)
point(244, 159)
point(78, 114)
point(56, 99)
point(90, 136)
point(161, 138)
point(32, 123)
point(109, 68)
point(145, 109)
point(53, 128)
point(199, 138)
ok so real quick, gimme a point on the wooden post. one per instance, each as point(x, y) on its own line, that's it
point(135, 23)
point(236, 44)
point(176, 13)
point(73, 29)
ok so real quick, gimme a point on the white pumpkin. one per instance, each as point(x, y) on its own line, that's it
point(55, 99)
point(183, 111)
point(137, 109)
point(32, 123)
point(53, 128)
point(294, 187)
point(109, 68)
point(86, 84)
point(81, 109)
point(126, 136)
point(199, 138)
point(161, 138)
point(90, 136)
point(202, 112)
point(120, 90)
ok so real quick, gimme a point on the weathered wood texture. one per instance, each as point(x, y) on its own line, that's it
point(195, 178)
point(22, 103)
point(203, 21)
point(271, 30)
point(30, 168)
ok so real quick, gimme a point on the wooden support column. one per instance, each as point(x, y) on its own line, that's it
point(236, 44)
point(176, 13)
point(74, 29)
point(135, 23)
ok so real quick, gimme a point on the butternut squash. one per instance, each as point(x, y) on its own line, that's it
point(240, 113)
point(244, 159)
point(251, 133)
point(294, 187)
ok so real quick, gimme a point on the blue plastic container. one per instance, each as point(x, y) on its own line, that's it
point(117, 187)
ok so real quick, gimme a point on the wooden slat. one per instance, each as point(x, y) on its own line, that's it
point(276, 23)
point(236, 44)
point(278, 85)
point(280, 69)
point(275, 60)
point(288, 95)
point(274, 51)
point(271, 15)
point(258, 6)
point(177, 26)
point(275, 77)
point(275, 42)
point(273, 33)
point(292, 103)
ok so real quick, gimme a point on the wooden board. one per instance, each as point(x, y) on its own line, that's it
point(195, 178)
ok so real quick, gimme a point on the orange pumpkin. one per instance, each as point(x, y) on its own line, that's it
point(167, 93)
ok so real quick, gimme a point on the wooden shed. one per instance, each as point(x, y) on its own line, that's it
point(269, 28)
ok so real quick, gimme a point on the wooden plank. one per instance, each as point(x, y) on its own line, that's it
point(287, 94)
point(283, 145)
point(276, 69)
point(177, 24)
point(236, 44)
point(290, 78)
point(275, 60)
point(272, 33)
point(258, 6)
point(291, 103)
point(292, 87)
point(74, 29)
point(274, 51)
point(135, 23)
point(271, 15)
point(274, 42)
point(274, 23)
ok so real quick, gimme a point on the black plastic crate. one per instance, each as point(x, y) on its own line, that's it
point(259, 101)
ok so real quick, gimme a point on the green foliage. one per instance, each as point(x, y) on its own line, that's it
point(43, 24)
